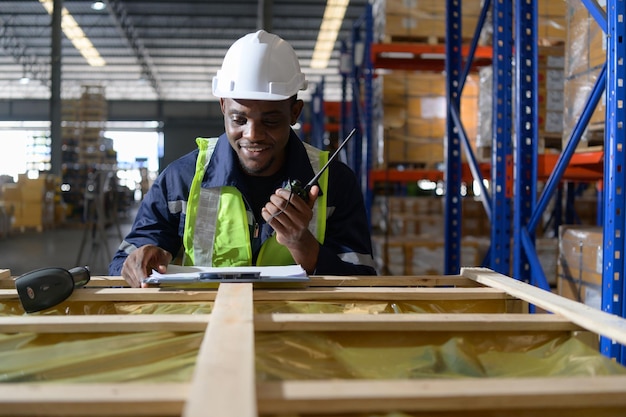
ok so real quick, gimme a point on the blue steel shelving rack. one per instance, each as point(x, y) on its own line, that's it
point(515, 173)
point(452, 156)
point(613, 291)
point(361, 116)
point(317, 116)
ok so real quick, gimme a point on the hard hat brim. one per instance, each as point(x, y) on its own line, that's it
point(251, 96)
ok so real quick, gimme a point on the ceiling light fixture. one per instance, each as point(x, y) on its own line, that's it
point(98, 5)
point(76, 35)
point(329, 30)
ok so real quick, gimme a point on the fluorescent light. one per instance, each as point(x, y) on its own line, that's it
point(76, 35)
point(329, 30)
point(98, 5)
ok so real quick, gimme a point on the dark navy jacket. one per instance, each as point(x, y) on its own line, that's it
point(347, 248)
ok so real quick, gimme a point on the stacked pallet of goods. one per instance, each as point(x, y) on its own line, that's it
point(414, 101)
point(581, 246)
point(408, 229)
point(580, 264)
point(32, 204)
point(408, 238)
point(85, 149)
point(550, 74)
point(414, 118)
point(414, 112)
point(83, 128)
point(585, 53)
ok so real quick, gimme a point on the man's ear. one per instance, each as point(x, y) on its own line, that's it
point(296, 109)
point(222, 104)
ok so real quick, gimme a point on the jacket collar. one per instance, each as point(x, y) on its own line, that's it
point(224, 169)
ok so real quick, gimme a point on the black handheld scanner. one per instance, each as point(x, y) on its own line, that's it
point(46, 287)
point(296, 187)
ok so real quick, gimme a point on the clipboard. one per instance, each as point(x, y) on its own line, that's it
point(211, 277)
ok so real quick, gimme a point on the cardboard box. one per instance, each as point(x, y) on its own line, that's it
point(580, 264)
point(422, 255)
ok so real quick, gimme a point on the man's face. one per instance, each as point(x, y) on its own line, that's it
point(258, 131)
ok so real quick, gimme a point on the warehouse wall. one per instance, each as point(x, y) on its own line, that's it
point(182, 121)
point(179, 135)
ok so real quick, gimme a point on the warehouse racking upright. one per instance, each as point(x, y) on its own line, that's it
point(514, 169)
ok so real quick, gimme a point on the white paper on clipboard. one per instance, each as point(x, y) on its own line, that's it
point(177, 273)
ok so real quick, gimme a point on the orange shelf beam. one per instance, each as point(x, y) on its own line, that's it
point(417, 56)
point(583, 167)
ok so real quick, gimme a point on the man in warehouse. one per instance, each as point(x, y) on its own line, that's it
point(228, 203)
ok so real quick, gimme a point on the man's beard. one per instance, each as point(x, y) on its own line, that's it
point(258, 172)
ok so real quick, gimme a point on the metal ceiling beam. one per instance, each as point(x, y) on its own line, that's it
point(125, 25)
point(20, 52)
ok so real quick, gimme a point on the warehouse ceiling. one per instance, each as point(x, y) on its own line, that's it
point(156, 49)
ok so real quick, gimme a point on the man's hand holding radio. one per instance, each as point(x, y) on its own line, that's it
point(289, 215)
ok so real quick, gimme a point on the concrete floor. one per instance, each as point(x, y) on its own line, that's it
point(64, 247)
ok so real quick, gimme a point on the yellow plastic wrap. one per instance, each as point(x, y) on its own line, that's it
point(383, 307)
point(153, 356)
point(170, 357)
point(384, 355)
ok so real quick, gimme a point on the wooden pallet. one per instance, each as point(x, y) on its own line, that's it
point(224, 381)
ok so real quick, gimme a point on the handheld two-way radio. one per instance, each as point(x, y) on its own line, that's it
point(296, 187)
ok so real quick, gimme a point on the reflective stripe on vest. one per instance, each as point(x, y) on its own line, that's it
point(217, 225)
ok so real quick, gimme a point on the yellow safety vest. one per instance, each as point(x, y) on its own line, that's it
point(217, 229)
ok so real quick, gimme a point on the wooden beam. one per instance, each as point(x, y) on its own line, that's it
point(592, 319)
point(392, 281)
point(381, 294)
point(412, 322)
point(431, 395)
point(343, 281)
point(224, 376)
point(127, 295)
point(327, 396)
point(110, 323)
point(5, 274)
point(290, 322)
point(304, 294)
point(128, 399)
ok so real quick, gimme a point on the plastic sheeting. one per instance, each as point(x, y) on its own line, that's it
point(149, 356)
point(170, 357)
point(391, 355)
point(383, 307)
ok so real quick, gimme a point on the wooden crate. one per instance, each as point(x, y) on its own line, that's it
point(224, 382)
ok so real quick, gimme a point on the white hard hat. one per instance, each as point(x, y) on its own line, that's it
point(259, 66)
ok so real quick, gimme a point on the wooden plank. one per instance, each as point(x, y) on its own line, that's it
point(291, 322)
point(112, 323)
point(392, 281)
point(460, 395)
point(413, 322)
point(224, 376)
point(304, 294)
point(5, 274)
point(128, 399)
point(381, 294)
point(592, 319)
point(127, 295)
point(324, 396)
point(341, 281)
